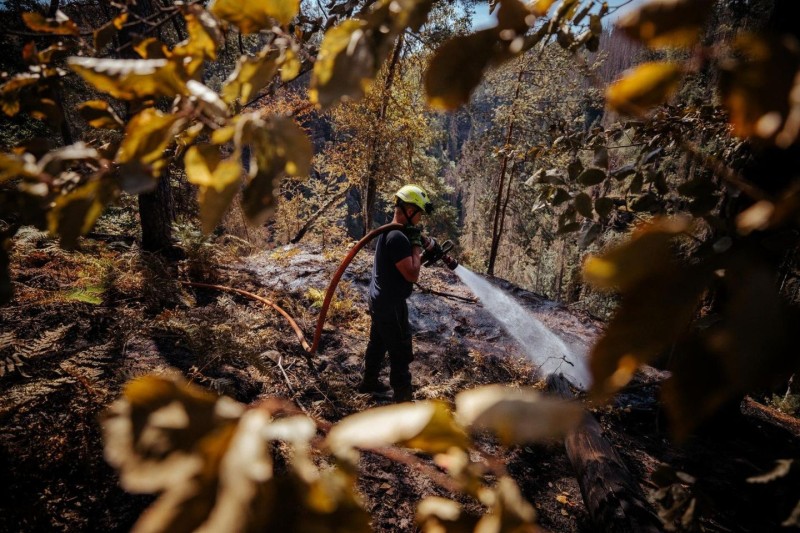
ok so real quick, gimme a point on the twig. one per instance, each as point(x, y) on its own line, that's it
point(446, 294)
point(285, 377)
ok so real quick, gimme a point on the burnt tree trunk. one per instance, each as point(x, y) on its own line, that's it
point(612, 496)
point(371, 187)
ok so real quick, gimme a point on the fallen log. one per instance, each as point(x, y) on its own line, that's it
point(612, 496)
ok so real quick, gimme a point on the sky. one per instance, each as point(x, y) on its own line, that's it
point(483, 19)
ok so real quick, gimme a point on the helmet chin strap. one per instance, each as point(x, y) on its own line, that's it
point(408, 219)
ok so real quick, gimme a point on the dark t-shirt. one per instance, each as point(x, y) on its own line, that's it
point(388, 287)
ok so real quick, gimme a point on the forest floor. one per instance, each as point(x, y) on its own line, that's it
point(83, 324)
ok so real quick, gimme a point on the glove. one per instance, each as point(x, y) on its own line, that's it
point(414, 235)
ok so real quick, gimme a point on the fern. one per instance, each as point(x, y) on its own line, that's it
point(44, 345)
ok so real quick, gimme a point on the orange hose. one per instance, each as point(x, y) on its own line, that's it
point(270, 303)
point(338, 275)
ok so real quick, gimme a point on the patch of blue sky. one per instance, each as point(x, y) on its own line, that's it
point(482, 19)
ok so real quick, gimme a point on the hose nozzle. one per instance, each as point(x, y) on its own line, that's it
point(434, 252)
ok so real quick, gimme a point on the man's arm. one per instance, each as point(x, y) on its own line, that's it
point(409, 267)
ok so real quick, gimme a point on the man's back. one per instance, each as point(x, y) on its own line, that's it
point(388, 287)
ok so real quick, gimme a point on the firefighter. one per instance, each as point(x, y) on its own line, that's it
point(395, 270)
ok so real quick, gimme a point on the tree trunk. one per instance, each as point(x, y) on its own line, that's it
point(156, 214)
point(371, 186)
point(612, 496)
point(156, 211)
point(496, 231)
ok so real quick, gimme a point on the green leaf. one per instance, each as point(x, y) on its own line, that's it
point(345, 64)
point(218, 182)
point(583, 205)
point(58, 25)
point(644, 87)
point(250, 76)
point(255, 15)
point(516, 416)
point(88, 295)
point(98, 114)
point(670, 23)
point(426, 426)
point(591, 176)
point(130, 79)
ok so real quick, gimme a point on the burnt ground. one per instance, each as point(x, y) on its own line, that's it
point(78, 344)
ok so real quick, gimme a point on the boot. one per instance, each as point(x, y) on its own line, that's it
point(403, 394)
point(372, 387)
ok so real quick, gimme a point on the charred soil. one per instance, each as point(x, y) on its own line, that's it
point(78, 330)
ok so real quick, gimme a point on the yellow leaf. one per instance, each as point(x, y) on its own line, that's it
point(105, 33)
point(13, 166)
point(289, 64)
point(208, 99)
point(427, 426)
point(250, 76)
point(147, 135)
point(644, 87)
point(218, 182)
point(345, 64)
point(10, 91)
point(129, 79)
point(667, 23)
point(98, 114)
point(75, 213)
point(516, 416)
point(254, 15)
point(280, 147)
point(58, 25)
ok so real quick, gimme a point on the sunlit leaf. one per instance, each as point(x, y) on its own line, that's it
point(98, 114)
point(591, 176)
point(147, 135)
point(129, 79)
point(105, 33)
point(516, 416)
point(279, 148)
point(289, 65)
point(644, 87)
point(254, 15)
point(58, 25)
point(427, 426)
point(10, 91)
point(56, 161)
point(647, 253)
point(250, 76)
point(208, 99)
point(508, 509)
point(218, 181)
point(667, 23)
point(205, 35)
point(152, 48)
point(75, 213)
point(161, 432)
point(12, 166)
point(345, 64)
point(438, 515)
